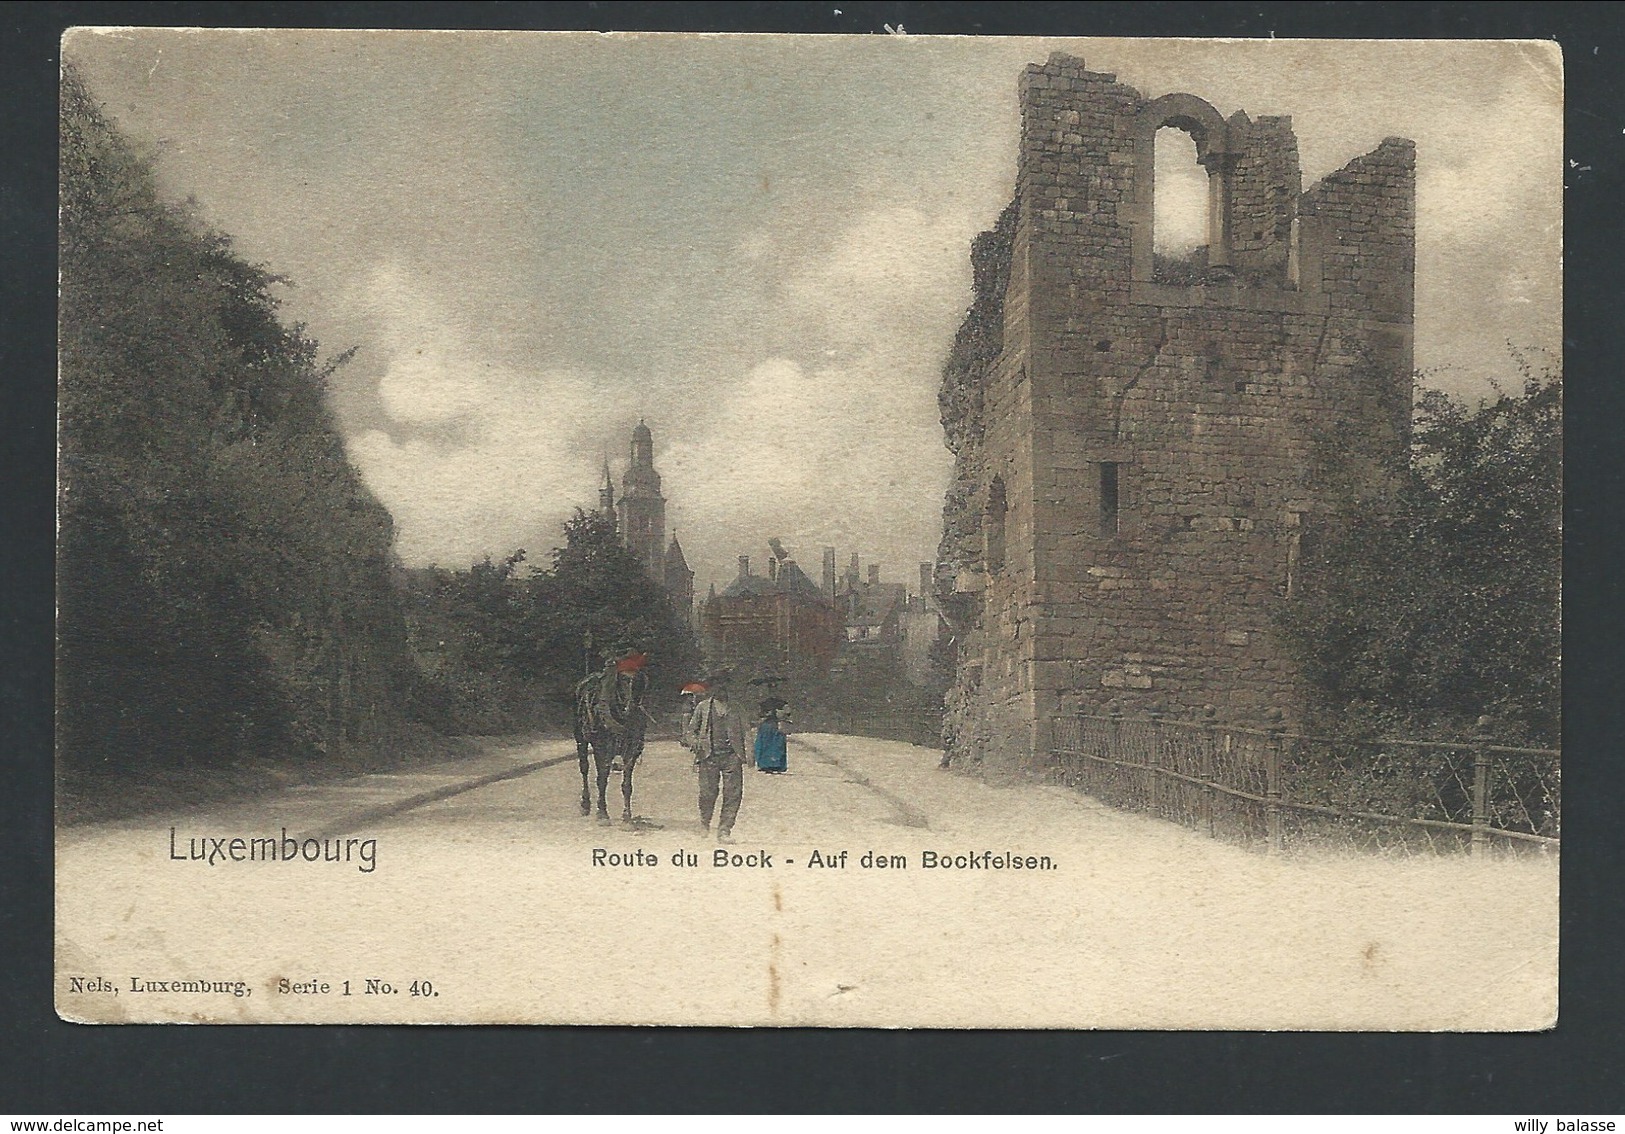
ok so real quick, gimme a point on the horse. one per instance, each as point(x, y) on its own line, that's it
point(609, 721)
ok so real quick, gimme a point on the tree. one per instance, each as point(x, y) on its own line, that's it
point(1443, 601)
point(598, 587)
point(507, 650)
point(224, 575)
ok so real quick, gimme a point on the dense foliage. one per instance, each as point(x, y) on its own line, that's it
point(224, 575)
point(501, 650)
point(1442, 602)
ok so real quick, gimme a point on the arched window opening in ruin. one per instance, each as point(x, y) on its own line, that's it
point(1180, 212)
point(993, 526)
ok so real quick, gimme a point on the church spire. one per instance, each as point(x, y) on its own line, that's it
point(679, 581)
point(606, 492)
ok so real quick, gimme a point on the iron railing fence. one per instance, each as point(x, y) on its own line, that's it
point(1283, 789)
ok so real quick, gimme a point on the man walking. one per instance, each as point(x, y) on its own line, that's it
point(717, 735)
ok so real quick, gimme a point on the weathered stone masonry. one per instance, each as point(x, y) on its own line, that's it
point(1136, 460)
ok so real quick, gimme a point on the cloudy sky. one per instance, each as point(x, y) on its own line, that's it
point(757, 244)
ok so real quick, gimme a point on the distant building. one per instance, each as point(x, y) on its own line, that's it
point(887, 634)
point(873, 611)
point(640, 518)
point(882, 682)
point(922, 628)
point(779, 621)
point(679, 581)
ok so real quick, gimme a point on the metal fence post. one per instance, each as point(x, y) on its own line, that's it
point(1210, 727)
point(1481, 786)
point(1272, 780)
point(1077, 755)
point(1153, 781)
point(1111, 773)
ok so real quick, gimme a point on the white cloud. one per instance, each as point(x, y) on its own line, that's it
point(481, 452)
point(812, 456)
point(543, 286)
point(886, 272)
point(840, 445)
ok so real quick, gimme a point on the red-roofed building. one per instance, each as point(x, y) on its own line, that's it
point(779, 621)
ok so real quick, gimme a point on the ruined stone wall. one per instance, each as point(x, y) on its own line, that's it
point(1263, 197)
point(962, 398)
point(962, 571)
point(1158, 447)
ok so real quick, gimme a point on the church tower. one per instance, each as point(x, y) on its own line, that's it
point(642, 509)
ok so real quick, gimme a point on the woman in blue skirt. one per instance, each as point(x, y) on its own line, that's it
point(771, 750)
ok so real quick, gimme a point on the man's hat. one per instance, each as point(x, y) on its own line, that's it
point(631, 663)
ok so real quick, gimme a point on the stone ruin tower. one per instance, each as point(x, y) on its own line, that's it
point(1142, 447)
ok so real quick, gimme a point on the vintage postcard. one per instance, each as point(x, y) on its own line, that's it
point(883, 531)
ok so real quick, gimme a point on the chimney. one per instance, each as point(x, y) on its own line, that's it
point(874, 574)
point(928, 579)
point(829, 573)
point(744, 566)
point(852, 570)
point(772, 569)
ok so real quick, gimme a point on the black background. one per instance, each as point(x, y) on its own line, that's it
point(51, 1068)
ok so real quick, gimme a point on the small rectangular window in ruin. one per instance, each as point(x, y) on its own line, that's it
point(1108, 498)
point(1292, 254)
